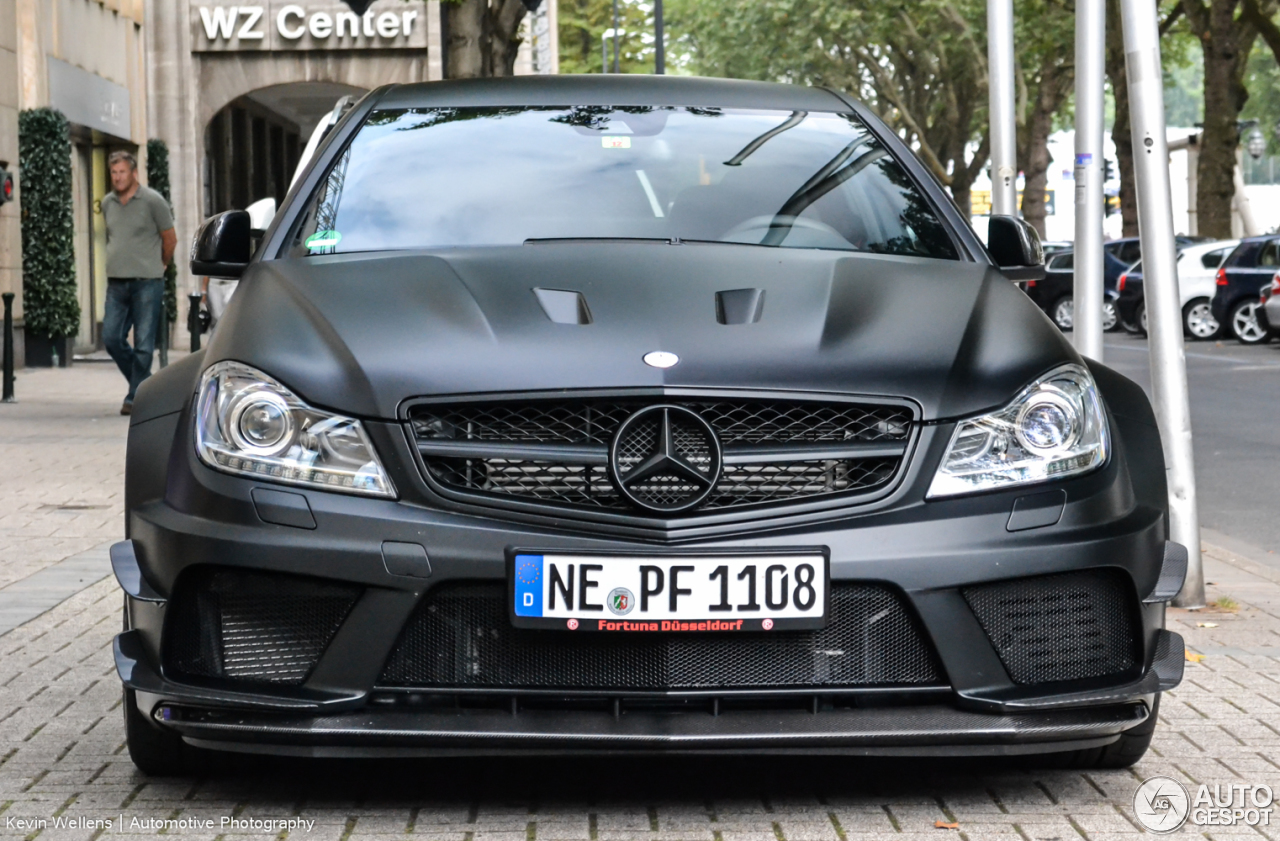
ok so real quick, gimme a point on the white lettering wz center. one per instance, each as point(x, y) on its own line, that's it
point(390, 24)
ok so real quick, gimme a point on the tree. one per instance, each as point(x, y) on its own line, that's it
point(1227, 30)
point(920, 66)
point(1045, 67)
point(584, 22)
point(482, 37)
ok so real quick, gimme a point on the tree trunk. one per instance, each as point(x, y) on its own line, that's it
point(1120, 130)
point(505, 18)
point(466, 56)
point(1226, 43)
point(1034, 151)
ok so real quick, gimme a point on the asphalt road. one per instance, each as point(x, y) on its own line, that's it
point(1235, 421)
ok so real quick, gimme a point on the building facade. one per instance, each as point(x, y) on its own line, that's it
point(85, 58)
point(236, 90)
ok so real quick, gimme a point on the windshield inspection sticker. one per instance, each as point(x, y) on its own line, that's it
point(323, 239)
point(615, 142)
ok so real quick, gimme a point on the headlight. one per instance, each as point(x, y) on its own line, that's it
point(1053, 429)
point(248, 423)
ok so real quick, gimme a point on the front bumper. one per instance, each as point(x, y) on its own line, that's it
point(926, 552)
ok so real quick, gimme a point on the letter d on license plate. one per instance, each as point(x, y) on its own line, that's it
point(657, 593)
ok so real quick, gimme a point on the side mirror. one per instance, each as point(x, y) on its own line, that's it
point(222, 247)
point(1015, 247)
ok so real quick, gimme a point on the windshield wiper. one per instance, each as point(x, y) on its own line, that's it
point(796, 118)
point(667, 240)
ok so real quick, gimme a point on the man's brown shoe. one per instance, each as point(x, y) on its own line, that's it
point(126, 408)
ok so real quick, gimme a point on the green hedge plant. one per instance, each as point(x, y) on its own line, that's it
point(50, 303)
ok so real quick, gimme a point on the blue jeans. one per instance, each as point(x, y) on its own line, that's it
point(133, 304)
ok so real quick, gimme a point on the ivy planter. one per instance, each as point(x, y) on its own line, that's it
point(42, 350)
point(50, 304)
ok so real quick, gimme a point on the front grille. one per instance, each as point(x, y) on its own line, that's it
point(1060, 627)
point(577, 480)
point(252, 626)
point(461, 637)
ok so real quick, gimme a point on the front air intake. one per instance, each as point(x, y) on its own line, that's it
point(1064, 627)
point(461, 637)
point(253, 627)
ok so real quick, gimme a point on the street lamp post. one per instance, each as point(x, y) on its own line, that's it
point(659, 48)
point(604, 48)
point(1091, 23)
point(1159, 267)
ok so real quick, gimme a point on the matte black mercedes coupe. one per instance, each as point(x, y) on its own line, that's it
point(637, 415)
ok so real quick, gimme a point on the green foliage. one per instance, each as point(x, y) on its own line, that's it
point(49, 301)
point(158, 180)
point(583, 23)
point(1262, 79)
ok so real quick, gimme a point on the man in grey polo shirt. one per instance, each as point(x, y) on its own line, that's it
point(140, 243)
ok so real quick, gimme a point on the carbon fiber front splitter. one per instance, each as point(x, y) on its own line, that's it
point(924, 730)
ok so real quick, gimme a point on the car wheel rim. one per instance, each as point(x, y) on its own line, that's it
point(1246, 324)
point(1200, 321)
point(1142, 319)
point(1109, 316)
point(1064, 314)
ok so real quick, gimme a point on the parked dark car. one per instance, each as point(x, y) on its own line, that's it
point(1055, 292)
point(637, 415)
point(1241, 280)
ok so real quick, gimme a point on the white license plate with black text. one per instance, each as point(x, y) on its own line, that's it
point(660, 593)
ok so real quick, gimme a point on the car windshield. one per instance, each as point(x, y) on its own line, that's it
point(440, 177)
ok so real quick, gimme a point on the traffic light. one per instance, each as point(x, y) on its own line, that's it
point(1113, 205)
point(1108, 171)
point(6, 184)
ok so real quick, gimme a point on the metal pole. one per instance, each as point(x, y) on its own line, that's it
point(162, 335)
point(660, 54)
point(615, 37)
point(1091, 29)
point(1159, 268)
point(8, 349)
point(193, 319)
point(1004, 149)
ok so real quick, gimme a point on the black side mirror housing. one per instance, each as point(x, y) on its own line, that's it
point(222, 247)
point(1015, 247)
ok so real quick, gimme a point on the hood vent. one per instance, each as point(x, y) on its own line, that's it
point(564, 306)
point(739, 306)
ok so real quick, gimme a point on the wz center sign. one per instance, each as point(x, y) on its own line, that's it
point(282, 25)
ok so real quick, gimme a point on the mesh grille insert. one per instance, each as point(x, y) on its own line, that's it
point(1060, 627)
point(736, 423)
point(460, 636)
point(252, 626)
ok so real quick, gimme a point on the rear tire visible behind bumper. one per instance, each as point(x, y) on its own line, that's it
point(1122, 753)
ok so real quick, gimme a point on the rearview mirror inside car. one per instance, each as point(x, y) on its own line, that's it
point(222, 247)
point(1015, 247)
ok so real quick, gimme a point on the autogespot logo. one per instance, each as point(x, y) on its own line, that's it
point(1161, 804)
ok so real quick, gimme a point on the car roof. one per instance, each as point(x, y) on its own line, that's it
point(610, 89)
point(1205, 247)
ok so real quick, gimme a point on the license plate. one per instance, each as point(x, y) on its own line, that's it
point(669, 593)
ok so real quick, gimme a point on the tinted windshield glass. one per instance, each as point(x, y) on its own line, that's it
point(438, 177)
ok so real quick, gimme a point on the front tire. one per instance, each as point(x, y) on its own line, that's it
point(156, 752)
point(1122, 753)
point(1198, 320)
point(1245, 325)
point(1063, 313)
point(1110, 317)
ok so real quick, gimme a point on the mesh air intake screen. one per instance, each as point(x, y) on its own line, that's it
point(252, 626)
point(1060, 627)
point(460, 636)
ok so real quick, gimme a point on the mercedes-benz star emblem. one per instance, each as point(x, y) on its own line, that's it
point(665, 459)
point(660, 359)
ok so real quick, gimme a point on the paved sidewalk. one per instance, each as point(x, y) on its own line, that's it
point(62, 754)
point(61, 466)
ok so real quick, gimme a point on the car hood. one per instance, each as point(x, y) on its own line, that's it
point(361, 333)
